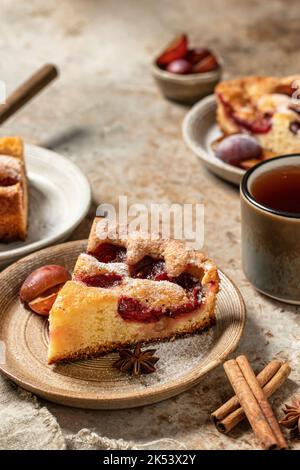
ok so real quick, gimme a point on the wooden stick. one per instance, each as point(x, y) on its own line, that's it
point(27, 91)
point(236, 416)
point(233, 404)
point(250, 405)
point(258, 393)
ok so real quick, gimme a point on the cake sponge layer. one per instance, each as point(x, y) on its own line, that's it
point(84, 321)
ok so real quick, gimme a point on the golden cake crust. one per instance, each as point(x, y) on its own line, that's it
point(13, 190)
point(176, 254)
point(242, 94)
point(12, 146)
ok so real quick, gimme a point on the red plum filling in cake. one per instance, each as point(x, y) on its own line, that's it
point(149, 268)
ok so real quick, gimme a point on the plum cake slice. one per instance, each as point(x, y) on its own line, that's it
point(130, 290)
point(264, 107)
point(13, 190)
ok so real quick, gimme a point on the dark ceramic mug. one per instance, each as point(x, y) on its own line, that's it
point(270, 239)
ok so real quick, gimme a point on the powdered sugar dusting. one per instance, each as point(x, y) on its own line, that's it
point(10, 167)
point(91, 262)
point(178, 357)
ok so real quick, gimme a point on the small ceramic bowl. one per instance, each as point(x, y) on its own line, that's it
point(189, 88)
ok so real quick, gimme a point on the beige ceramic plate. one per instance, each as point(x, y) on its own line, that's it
point(59, 198)
point(94, 383)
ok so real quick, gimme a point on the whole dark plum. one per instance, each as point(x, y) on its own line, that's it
point(179, 66)
point(238, 148)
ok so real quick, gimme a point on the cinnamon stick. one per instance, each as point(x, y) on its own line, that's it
point(231, 405)
point(278, 379)
point(263, 403)
point(251, 407)
point(231, 413)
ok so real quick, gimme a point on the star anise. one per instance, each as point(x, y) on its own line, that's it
point(291, 419)
point(136, 362)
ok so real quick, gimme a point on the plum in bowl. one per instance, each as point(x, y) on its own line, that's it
point(186, 74)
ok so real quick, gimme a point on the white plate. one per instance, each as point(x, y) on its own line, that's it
point(59, 198)
point(199, 131)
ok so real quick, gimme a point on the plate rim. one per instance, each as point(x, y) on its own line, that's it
point(156, 394)
point(211, 161)
point(86, 202)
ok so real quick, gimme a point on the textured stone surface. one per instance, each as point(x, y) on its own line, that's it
point(106, 114)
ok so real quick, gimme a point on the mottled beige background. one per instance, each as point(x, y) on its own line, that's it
point(106, 114)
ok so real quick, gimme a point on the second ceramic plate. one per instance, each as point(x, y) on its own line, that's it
point(59, 198)
point(200, 129)
point(95, 383)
